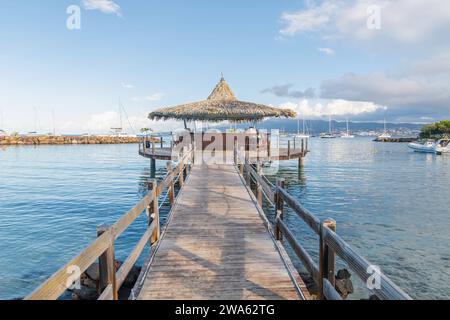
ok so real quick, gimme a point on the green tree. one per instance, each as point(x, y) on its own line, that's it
point(436, 130)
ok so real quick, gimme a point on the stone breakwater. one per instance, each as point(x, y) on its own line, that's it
point(61, 140)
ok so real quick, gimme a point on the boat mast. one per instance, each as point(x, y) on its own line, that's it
point(329, 123)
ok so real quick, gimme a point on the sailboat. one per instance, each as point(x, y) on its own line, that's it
point(385, 134)
point(303, 134)
point(330, 134)
point(347, 134)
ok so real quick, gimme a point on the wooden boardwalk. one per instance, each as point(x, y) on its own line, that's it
point(217, 246)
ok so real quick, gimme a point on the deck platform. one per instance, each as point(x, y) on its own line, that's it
point(276, 155)
point(217, 246)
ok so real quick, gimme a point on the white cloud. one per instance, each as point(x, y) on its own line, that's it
point(419, 89)
point(327, 51)
point(127, 86)
point(404, 21)
point(334, 108)
point(154, 97)
point(105, 6)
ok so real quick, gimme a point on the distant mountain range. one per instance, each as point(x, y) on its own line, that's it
point(318, 126)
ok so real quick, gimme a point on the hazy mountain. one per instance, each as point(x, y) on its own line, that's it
point(318, 126)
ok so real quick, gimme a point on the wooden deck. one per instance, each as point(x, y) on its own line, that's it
point(276, 155)
point(217, 246)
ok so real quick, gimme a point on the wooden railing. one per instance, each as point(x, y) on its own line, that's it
point(330, 243)
point(153, 142)
point(102, 249)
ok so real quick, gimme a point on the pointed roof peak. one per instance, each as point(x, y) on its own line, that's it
point(222, 91)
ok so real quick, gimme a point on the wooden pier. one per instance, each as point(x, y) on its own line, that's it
point(217, 243)
point(217, 246)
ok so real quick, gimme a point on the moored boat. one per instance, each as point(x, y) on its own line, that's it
point(443, 146)
point(427, 147)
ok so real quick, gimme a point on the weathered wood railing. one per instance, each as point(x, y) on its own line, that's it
point(102, 249)
point(153, 142)
point(330, 244)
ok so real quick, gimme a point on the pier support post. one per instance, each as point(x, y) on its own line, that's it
point(152, 168)
point(301, 161)
point(171, 184)
point(258, 185)
point(279, 208)
point(327, 259)
point(106, 266)
point(154, 215)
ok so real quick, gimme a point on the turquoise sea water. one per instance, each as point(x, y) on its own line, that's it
point(391, 204)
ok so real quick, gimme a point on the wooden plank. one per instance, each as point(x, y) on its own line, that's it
point(107, 294)
point(216, 245)
point(329, 291)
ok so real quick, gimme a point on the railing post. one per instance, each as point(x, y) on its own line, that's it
point(327, 258)
point(247, 173)
point(171, 184)
point(154, 214)
point(153, 147)
point(279, 207)
point(289, 149)
point(106, 266)
point(258, 185)
point(181, 181)
point(162, 142)
point(235, 153)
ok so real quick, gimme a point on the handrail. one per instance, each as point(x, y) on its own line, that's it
point(330, 243)
point(102, 248)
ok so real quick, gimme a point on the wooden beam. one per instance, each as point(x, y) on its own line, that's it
point(106, 266)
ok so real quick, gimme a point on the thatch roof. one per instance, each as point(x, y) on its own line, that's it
point(221, 105)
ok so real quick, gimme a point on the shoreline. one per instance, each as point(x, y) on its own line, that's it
point(65, 140)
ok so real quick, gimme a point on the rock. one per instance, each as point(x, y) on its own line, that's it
point(84, 293)
point(343, 283)
point(92, 272)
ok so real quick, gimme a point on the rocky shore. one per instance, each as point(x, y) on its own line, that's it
point(61, 140)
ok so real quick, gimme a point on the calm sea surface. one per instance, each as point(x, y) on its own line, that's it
point(391, 204)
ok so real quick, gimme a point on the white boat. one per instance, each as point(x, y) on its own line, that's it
point(443, 146)
point(330, 134)
point(303, 134)
point(347, 134)
point(427, 147)
point(385, 134)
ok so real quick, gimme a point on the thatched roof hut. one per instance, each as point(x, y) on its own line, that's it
point(221, 105)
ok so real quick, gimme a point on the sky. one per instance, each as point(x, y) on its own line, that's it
point(357, 59)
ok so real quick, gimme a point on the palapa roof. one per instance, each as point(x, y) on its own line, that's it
point(221, 105)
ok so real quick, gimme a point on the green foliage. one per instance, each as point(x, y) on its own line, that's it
point(436, 130)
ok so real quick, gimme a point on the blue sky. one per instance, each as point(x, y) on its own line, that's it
point(161, 53)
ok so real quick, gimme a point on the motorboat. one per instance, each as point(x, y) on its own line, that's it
point(427, 147)
point(328, 136)
point(443, 146)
